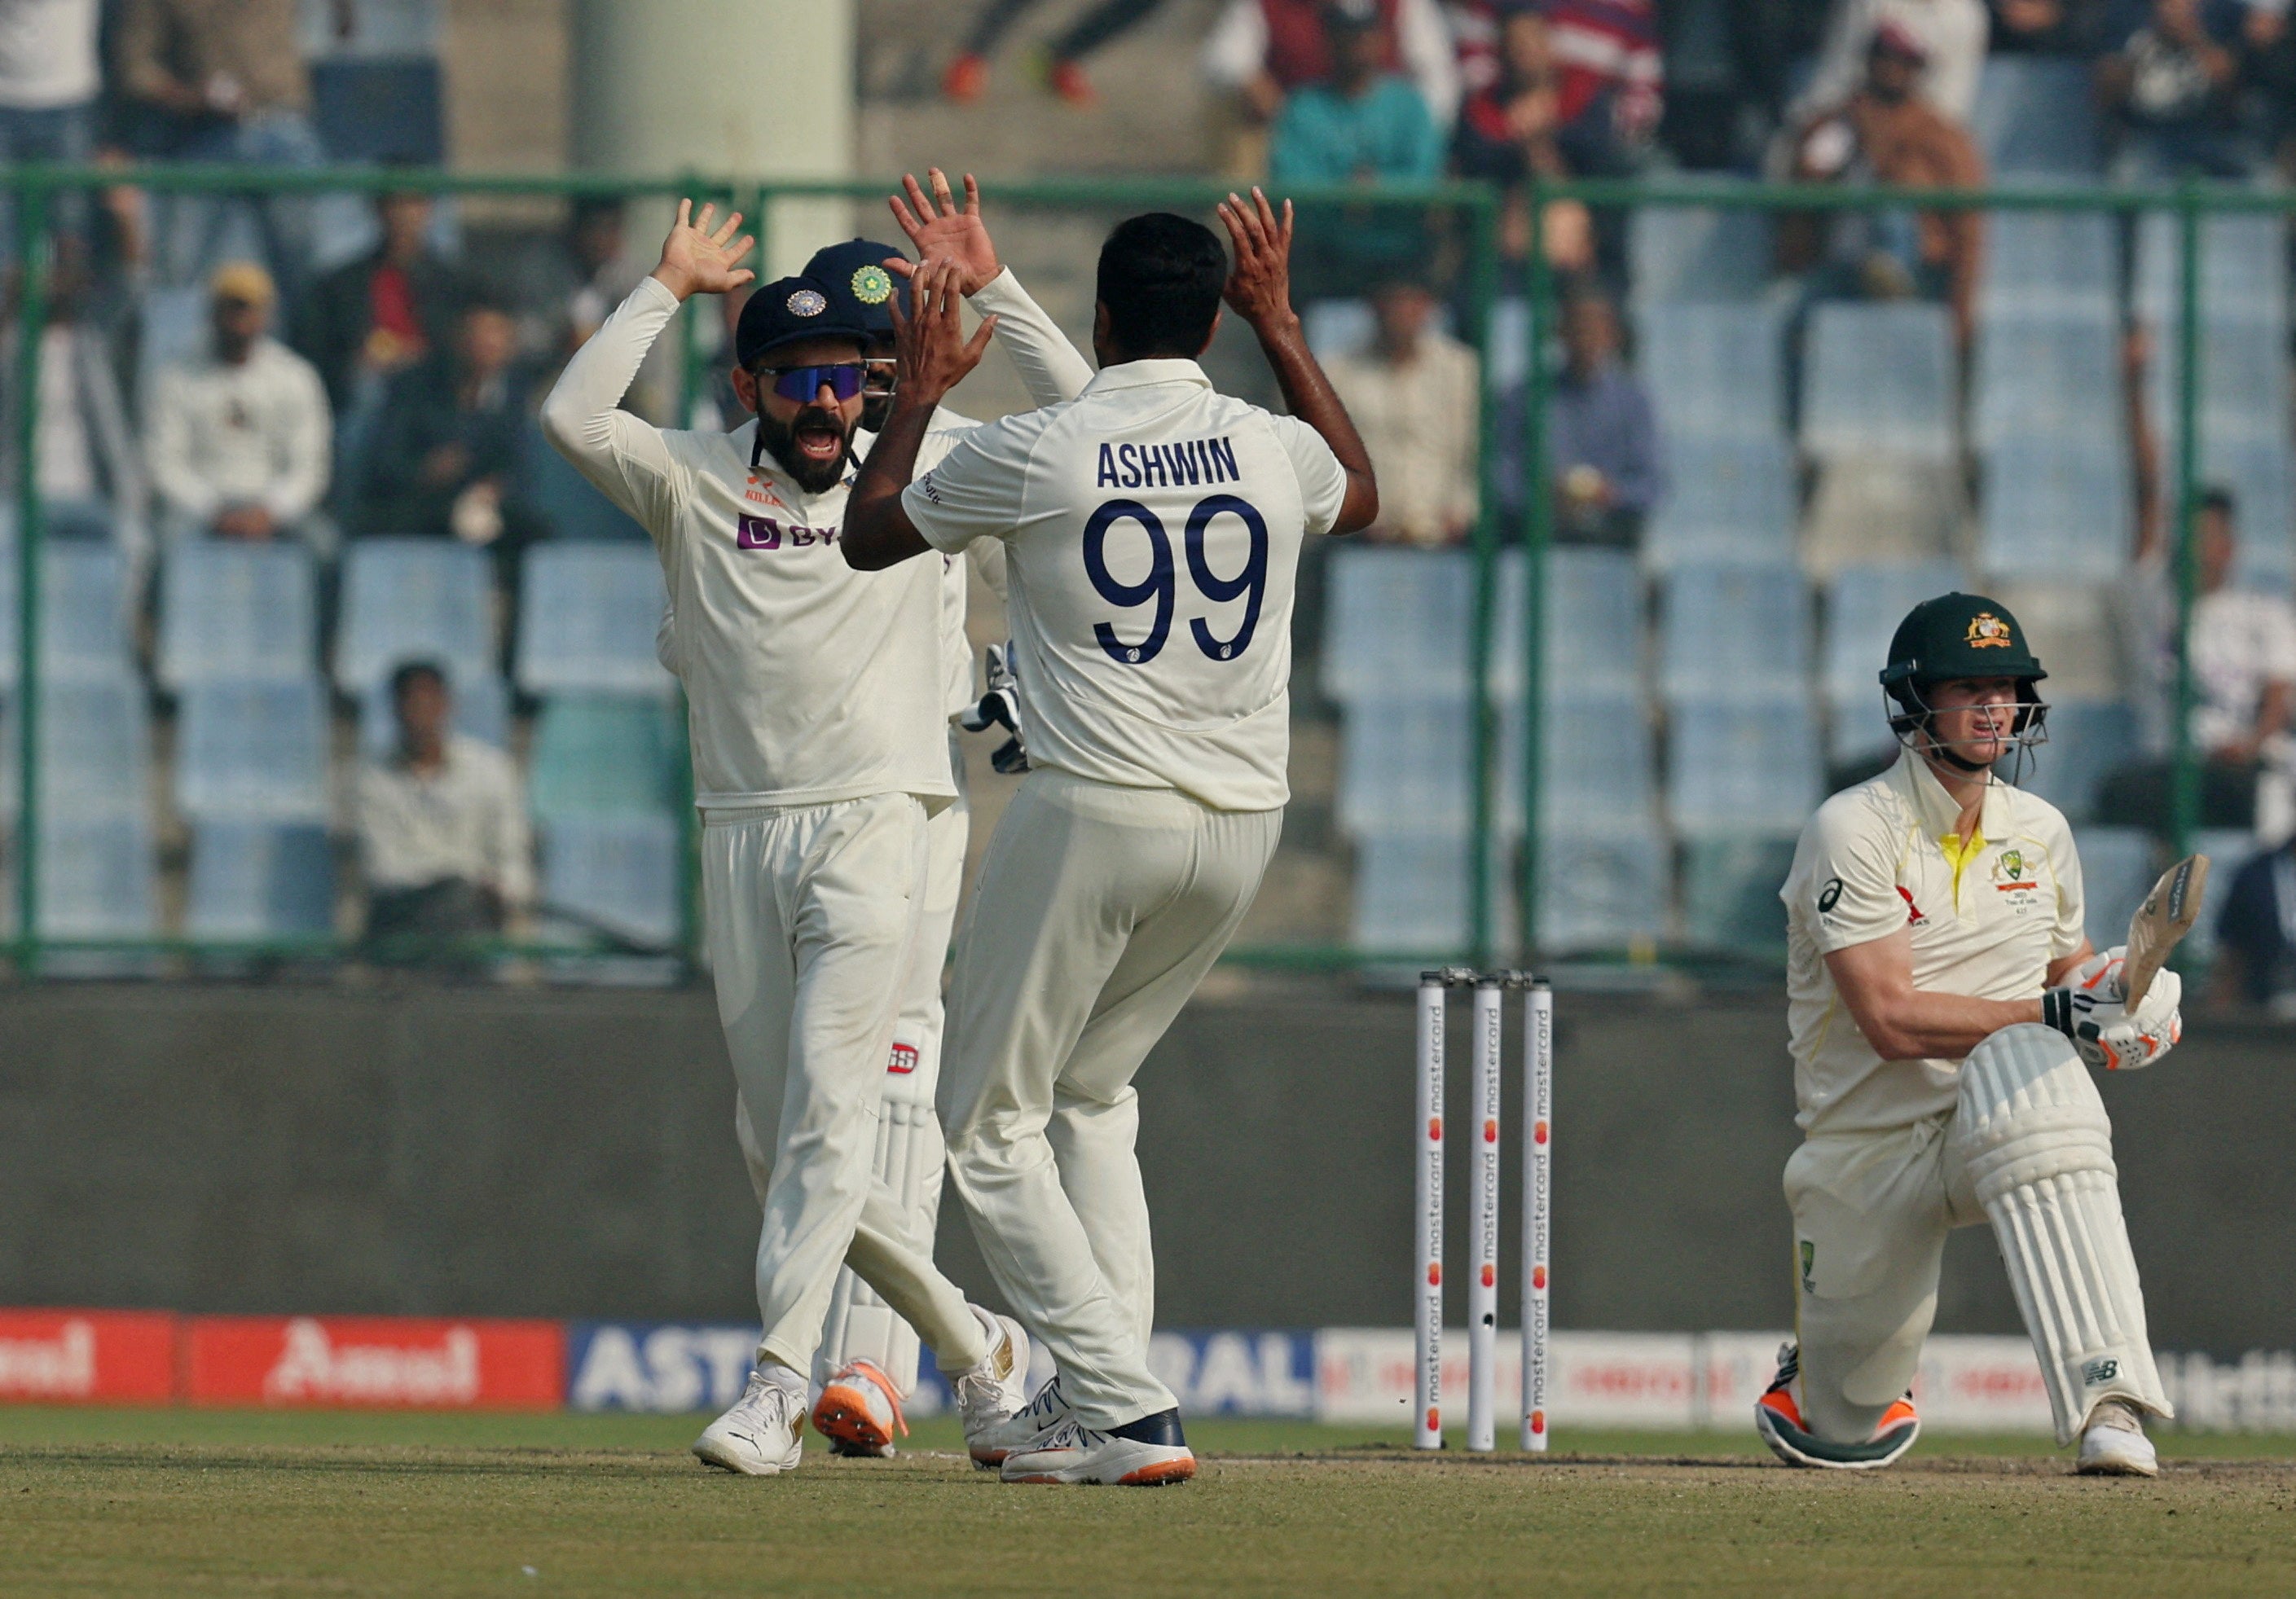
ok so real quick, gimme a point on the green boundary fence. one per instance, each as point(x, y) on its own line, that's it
point(33, 186)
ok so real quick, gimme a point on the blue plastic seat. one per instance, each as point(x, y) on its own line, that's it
point(1699, 253)
point(2244, 393)
point(2243, 270)
point(2229, 849)
point(2117, 868)
point(1734, 628)
point(253, 752)
point(568, 502)
point(2036, 117)
point(2049, 376)
point(1397, 620)
point(1728, 499)
point(588, 617)
point(84, 613)
point(1730, 883)
point(237, 612)
point(1595, 765)
point(481, 711)
point(2261, 475)
point(2048, 264)
point(1741, 765)
point(260, 880)
point(603, 756)
point(1603, 889)
point(1863, 605)
point(406, 599)
point(1338, 327)
point(95, 744)
point(1592, 628)
point(1405, 764)
point(618, 871)
point(1413, 895)
point(1877, 379)
point(171, 327)
point(1713, 371)
point(2055, 507)
point(95, 879)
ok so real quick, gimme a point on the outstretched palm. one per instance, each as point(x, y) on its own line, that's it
point(699, 259)
point(940, 229)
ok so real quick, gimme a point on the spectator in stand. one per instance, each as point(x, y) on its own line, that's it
point(2069, 28)
point(239, 439)
point(2256, 934)
point(1610, 81)
point(1416, 397)
point(1602, 442)
point(223, 81)
point(599, 273)
point(49, 80)
point(1951, 34)
point(445, 459)
point(2173, 85)
point(1063, 59)
point(90, 479)
point(442, 828)
point(1512, 131)
point(1265, 51)
point(379, 316)
point(1887, 134)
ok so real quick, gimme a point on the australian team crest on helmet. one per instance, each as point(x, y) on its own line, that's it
point(1987, 631)
point(872, 285)
point(807, 302)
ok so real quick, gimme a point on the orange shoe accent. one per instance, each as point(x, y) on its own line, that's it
point(843, 1412)
point(1898, 1414)
point(1068, 81)
point(966, 77)
point(1159, 1476)
point(1779, 1402)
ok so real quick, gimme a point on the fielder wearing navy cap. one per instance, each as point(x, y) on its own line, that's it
point(801, 317)
point(855, 271)
point(791, 309)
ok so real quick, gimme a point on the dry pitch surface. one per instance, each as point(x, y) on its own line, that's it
point(174, 1502)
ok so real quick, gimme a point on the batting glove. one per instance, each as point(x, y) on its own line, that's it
point(2093, 1013)
point(999, 706)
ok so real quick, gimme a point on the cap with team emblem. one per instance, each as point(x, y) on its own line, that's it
point(791, 309)
point(1959, 635)
point(856, 273)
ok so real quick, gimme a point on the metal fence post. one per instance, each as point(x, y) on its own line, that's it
point(1538, 513)
point(31, 327)
point(2185, 803)
point(1482, 298)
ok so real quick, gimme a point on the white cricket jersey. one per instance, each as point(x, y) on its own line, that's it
point(1151, 528)
point(1987, 921)
point(806, 682)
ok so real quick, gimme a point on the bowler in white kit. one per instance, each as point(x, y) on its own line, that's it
point(817, 717)
point(1151, 528)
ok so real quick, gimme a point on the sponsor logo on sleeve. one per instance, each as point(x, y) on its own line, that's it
point(1829, 897)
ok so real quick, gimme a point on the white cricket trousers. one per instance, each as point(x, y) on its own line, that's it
point(813, 916)
point(1097, 912)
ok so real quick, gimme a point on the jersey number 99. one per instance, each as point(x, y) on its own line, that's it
point(1161, 585)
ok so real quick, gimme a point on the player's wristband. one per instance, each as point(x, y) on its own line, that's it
point(2058, 1011)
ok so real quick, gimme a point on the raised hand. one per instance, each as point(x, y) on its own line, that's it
point(698, 260)
point(937, 227)
point(1259, 288)
point(930, 341)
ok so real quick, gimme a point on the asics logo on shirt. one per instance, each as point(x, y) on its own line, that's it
point(764, 533)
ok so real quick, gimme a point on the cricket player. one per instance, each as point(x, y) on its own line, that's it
point(1151, 528)
point(1946, 1009)
point(816, 714)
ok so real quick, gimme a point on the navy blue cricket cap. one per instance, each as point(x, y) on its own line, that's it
point(791, 309)
point(856, 270)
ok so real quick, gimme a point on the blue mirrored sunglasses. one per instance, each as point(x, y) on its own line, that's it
point(803, 383)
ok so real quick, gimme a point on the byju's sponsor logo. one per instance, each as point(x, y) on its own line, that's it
point(766, 533)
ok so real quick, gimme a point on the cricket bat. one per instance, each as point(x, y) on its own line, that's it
point(2167, 915)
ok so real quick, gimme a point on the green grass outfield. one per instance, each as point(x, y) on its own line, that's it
point(228, 1501)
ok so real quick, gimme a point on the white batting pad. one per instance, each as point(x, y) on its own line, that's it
point(2031, 1131)
point(910, 1161)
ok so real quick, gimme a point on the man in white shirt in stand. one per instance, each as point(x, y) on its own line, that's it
point(1152, 528)
point(814, 697)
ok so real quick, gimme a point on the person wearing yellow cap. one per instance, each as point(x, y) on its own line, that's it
point(239, 437)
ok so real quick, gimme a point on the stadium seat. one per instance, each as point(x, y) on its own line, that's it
point(620, 872)
point(1595, 771)
point(2228, 851)
point(96, 878)
point(2055, 507)
point(587, 619)
point(2088, 741)
point(1413, 897)
point(2075, 628)
point(1405, 765)
point(1713, 371)
point(2036, 117)
point(171, 327)
point(1878, 378)
point(1868, 510)
point(236, 613)
point(604, 756)
point(260, 880)
point(2048, 264)
point(2244, 391)
point(94, 748)
point(1337, 328)
point(1592, 623)
point(2259, 472)
point(2243, 270)
point(1733, 630)
point(1698, 253)
point(1742, 764)
point(568, 502)
point(84, 613)
point(2055, 376)
point(2118, 866)
point(1730, 883)
point(1397, 620)
point(253, 752)
point(1727, 499)
point(1605, 889)
point(1863, 605)
point(405, 599)
point(481, 711)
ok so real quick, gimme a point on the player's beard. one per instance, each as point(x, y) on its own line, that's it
point(780, 440)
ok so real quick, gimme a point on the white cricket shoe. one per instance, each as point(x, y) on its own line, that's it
point(1148, 1453)
point(859, 1410)
point(2113, 1444)
point(995, 1393)
point(758, 1437)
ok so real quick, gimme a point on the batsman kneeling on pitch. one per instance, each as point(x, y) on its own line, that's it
point(1946, 1011)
